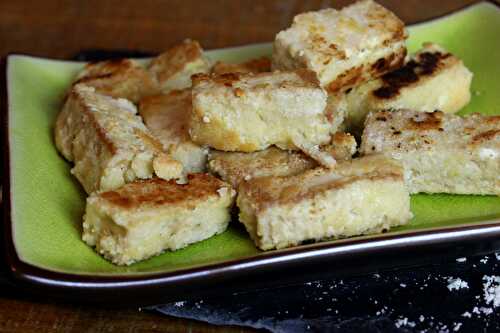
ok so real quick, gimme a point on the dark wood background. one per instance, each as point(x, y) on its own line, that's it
point(60, 29)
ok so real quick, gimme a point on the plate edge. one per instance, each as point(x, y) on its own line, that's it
point(31, 274)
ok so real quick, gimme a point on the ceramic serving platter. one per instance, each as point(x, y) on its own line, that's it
point(44, 203)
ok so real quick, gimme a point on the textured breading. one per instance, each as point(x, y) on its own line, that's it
point(344, 48)
point(362, 196)
point(123, 78)
point(441, 153)
point(174, 67)
point(167, 117)
point(108, 142)
point(234, 167)
point(250, 112)
point(433, 79)
point(144, 218)
point(259, 65)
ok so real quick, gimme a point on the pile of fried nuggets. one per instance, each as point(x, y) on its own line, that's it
point(165, 150)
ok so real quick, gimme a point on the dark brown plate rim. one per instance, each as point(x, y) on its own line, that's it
point(265, 270)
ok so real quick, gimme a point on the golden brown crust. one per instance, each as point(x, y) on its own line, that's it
point(342, 147)
point(494, 120)
point(345, 48)
point(294, 193)
point(173, 110)
point(258, 65)
point(268, 191)
point(485, 136)
point(308, 78)
point(391, 62)
point(357, 75)
point(76, 96)
point(385, 20)
point(424, 64)
point(157, 192)
point(234, 167)
point(89, 113)
point(426, 121)
point(122, 78)
point(150, 140)
point(406, 130)
point(108, 141)
point(174, 59)
point(226, 79)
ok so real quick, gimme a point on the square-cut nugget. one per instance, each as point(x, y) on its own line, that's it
point(250, 112)
point(433, 79)
point(362, 196)
point(167, 117)
point(174, 67)
point(123, 78)
point(234, 167)
point(441, 153)
point(259, 65)
point(108, 142)
point(147, 217)
point(344, 48)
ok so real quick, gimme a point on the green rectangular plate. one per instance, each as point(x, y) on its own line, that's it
point(47, 204)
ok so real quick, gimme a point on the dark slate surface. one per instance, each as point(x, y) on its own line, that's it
point(405, 300)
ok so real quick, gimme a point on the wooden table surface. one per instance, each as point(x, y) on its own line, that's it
point(60, 29)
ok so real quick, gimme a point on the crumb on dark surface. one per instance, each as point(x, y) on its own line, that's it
point(415, 299)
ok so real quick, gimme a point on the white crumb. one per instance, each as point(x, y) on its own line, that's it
point(466, 314)
point(404, 322)
point(457, 327)
point(462, 259)
point(486, 311)
point(206, 120)
point(456, 284)
point(179, 304)
point(491, 289)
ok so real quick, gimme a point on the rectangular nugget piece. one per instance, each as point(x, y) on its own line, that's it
point(433, 79)
point(235, 167)
point(147, 217)
point(258, 65)
point(174, 67)
point(108, 142)
point(344, 48)
point(363, 196)
point(167, 117)
point(250, 112)
point(122, 78)
point(441, 153)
